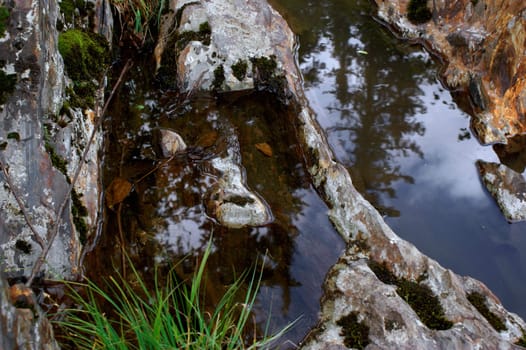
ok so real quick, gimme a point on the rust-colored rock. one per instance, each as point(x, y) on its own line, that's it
point(483, 44)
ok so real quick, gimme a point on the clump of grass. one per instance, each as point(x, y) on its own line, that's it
point(140, 16)
point(170, 315)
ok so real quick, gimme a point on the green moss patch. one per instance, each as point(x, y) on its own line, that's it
point(219, 77)
point(418, 12)
point(56, 160)
point(522, 340)
point(479, 302)
point(267, 77)
point(79, 213)
point(86, 56)
point(203, 35)
point(239, 69)
point(420, 297)
point(7, 85)
point(4, 16)
point(356, 334)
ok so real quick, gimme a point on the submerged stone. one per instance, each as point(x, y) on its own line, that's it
point(169, 142)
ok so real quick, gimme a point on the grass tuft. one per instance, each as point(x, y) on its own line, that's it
point(171, 315)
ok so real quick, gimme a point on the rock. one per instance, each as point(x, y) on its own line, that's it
point(169, 142)
point(507, 186)
point(230, 201)
point(42, 135)
point(481, 40)
point(358, 303)
point(23, 328)
point(226, 46)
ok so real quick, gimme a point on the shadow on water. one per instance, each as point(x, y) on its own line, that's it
point(165, 218)
point(407, 143)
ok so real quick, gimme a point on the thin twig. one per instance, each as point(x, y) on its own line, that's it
point(39, 239)
point(155, 168)
point(56, 227)
point(121, 237)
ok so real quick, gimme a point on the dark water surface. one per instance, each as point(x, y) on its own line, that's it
point(164, 220)
point(406, 143)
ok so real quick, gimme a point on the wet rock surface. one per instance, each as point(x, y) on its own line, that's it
point(363, 308)
point(507, 186)
point(482, 44)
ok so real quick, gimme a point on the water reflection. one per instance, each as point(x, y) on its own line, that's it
point(365, 105)
point(408, 145)
point(165, 219)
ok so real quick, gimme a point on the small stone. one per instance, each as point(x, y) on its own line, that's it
point(170, 142)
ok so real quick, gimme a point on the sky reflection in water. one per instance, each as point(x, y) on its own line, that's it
point(406, 143)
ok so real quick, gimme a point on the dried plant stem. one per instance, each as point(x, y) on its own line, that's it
point(56, 226)
point(39, 239)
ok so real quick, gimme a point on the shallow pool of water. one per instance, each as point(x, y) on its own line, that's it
point(165, 220)
point(406, 143)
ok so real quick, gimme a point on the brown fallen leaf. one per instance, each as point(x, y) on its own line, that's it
point(264, 148)
point(117, 191)
point(207, 139)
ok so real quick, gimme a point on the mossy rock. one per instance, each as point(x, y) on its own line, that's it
point(86, 54)
point(418, 12)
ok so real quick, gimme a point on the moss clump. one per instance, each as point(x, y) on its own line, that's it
point(79, 212)
point(267, 77)
point(420, 297)
point(219, 77)
point(4, 16)
point(522, 340)
point(356, 334)
point(239, 69)
point(418, 12)
point(203, 35)
point(86, 56)
point(13, 136)
point(7, 85)
point(479, 302)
